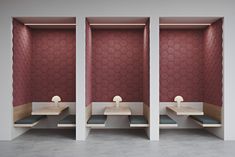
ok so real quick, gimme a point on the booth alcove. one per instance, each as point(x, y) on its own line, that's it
point(191, 66)
point(44, 52)
point(117, 63)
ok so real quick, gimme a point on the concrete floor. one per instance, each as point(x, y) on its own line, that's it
point(117, 143)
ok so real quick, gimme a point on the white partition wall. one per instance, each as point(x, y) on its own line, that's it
point(154, 77)
point(6, 107)
point(81, 130)
point(229, 77)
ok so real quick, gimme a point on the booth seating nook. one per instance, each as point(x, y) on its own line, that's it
point(167, 122)
point(68, 121)
point(211, 117)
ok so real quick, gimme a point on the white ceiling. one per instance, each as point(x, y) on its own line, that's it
point(117, 22)
point(187, 21)
point(48, 20)
point(104, 21)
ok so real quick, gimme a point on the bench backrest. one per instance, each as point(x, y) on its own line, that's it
point(22, 111)
point(146, 112)
point(88, 111)
point(212, 111)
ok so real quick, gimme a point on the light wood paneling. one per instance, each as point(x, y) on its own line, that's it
point(146, 112)
point(88, 112)
point(22, 111)
point(212, 111)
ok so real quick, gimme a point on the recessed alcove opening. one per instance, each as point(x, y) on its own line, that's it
point(44, 59)
point(191, 54)
point(117, 63)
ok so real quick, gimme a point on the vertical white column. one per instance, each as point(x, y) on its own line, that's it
point(154, 78)
point(228, 77)
point(6, 108)
point(81, 131)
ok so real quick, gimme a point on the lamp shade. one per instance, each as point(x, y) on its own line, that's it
point(179, 98)
point(56, 99)
point(117, 98)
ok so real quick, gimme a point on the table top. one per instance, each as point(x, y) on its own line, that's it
point(115, 111)
point(50, 110)
point(183, 110)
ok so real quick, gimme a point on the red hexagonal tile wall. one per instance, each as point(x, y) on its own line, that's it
point(43, 64)
point(146, 65)
point(213, 64)
point(22, 51)
point(88, 64)
point(191, 64)
point(117, 62)
point(53, 64)
point(181, 65)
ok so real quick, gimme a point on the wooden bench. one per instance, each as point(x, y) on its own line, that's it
point(68, 121)
point(138, 121)
point(211, 117)
point(167, 122)
point(22, 116)
point(205, 121)
point(29, 121)
point(96, 121)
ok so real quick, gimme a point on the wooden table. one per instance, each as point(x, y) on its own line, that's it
point(182, 110)
point(117, 111)
point(50, 110)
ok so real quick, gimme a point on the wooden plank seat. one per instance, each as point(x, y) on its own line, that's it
point(138, 121)
point(29, 121)
point(96, 121)
point(167, 122)
point(206, 121)
point(68, 121)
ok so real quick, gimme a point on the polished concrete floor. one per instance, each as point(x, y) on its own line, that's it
point(117, 143)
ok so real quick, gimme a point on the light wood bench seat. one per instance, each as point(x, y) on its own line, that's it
point(28, 121)
point(68, 121)
point(138, 121)
point(96, 121)
point(206, 121)
point(167, 122)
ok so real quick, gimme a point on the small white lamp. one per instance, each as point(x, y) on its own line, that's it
point(56, 99)
point(178, 99)
point(117, 99)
